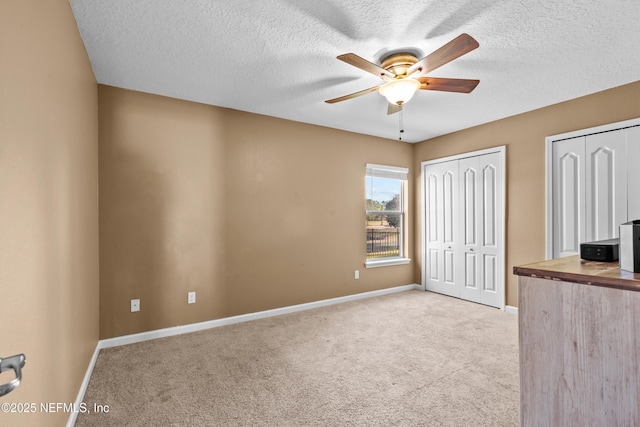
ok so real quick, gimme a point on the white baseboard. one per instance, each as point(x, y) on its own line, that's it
point(193, 327)
point(511, 310)
point(83, 387)
point(178, 330)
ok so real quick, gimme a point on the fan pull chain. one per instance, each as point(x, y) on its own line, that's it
point(400, 124)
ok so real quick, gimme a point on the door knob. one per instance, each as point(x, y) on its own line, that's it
point(16, 363)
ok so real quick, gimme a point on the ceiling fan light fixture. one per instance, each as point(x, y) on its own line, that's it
point(399, 91)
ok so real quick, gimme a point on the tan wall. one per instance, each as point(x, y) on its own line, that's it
point(524, 135)
point(48, 204)
point(251, 212)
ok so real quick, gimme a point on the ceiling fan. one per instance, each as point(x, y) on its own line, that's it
point(404, 74)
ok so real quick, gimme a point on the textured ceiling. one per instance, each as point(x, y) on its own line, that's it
point(278, 57)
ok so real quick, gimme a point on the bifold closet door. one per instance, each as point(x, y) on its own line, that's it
point(463, 230)
point(441, 231)
point(633, 169)
point(591, 194)
point(605, 184)
point(480, 230)
point(568, 196)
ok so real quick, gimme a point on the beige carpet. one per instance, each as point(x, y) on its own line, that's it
point(408, 359)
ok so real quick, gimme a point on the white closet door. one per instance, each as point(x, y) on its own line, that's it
point(481, 231)
point(442, 227)
point(605, 184)
point(568, 196)
point(464, 228)
point(633, 191)
point(491, 239)
point(470, 228)
point(593, 182)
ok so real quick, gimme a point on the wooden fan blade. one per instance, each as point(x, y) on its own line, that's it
point(457, 47)
point(448, 85)
point(352, 95)
point(393, 108)
point(363, 64)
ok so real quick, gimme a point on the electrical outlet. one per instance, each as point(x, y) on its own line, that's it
point(135, 305)
point(356, 274)
point(191, 298)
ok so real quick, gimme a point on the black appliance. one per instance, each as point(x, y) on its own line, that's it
point(601, 250)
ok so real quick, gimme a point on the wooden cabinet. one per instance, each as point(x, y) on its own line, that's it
point(579, 344)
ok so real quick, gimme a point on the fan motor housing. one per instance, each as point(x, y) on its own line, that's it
point(398, 63)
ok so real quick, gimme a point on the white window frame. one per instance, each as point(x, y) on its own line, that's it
point(399, 173)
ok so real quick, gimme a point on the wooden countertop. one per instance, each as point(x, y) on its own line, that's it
point(576, 270)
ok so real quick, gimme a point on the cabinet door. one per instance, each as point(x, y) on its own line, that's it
point(568, 196)
point(605, 184)
point(441, 227)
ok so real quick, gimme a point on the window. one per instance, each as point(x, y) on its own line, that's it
point(385, 205)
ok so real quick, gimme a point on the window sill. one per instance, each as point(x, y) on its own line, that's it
point(386, 262)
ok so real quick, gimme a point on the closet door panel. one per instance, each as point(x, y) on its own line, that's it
point(449, 174)
point(470, 275)
point(491, 213)
point(433, 272)
point(449, 226)
point(449, 266)
point(489, 206)
point(442, 228)
point(633, 169)
point(490, 269)
point(605, 184)
point(433, 233)
point(568, 196)
point(469, 188)
point(471, 227)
